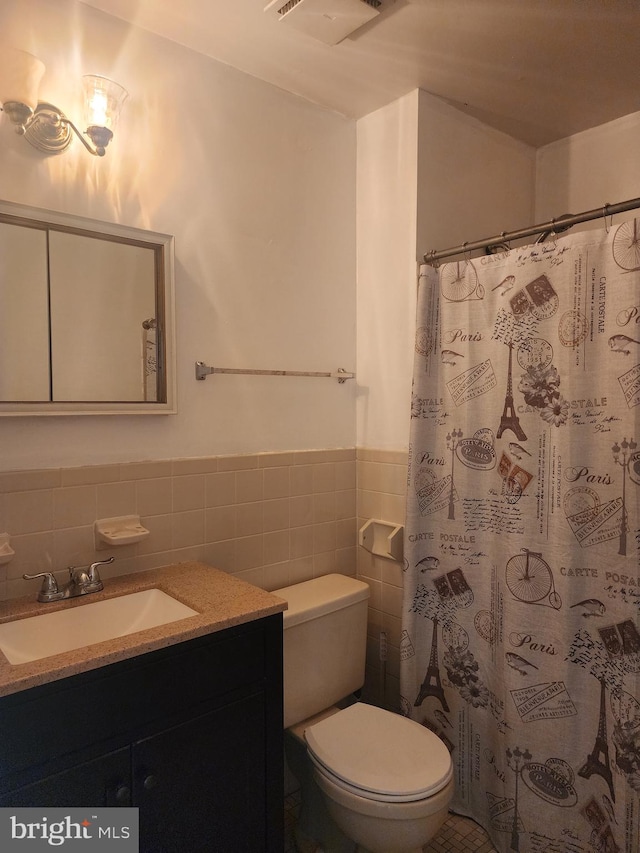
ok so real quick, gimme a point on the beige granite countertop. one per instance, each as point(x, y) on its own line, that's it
point(220, 599)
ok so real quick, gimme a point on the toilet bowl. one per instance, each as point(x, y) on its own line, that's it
point(387, 780)
point(371, 780)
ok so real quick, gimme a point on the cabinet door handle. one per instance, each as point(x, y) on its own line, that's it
point(150, 782)
point(123, 794)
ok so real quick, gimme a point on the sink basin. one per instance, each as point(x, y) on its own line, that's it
point(49, 634)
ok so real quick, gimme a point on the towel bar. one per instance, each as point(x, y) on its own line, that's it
point(203, 370)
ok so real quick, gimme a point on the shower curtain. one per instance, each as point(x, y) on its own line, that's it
point(520, 645)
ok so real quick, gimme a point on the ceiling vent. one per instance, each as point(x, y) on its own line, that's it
point(328, 21)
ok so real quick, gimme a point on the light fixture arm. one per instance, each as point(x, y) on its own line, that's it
point(100, 136)
point(49, 130)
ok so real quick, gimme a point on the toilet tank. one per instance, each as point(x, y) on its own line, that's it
point(325, 637)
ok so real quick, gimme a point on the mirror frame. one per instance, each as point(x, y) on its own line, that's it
point(164, 248)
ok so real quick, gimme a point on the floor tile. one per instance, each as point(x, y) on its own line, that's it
point(457, 835)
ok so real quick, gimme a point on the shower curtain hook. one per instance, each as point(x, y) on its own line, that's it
point(607, 228)
point(544, 235)
point(502, 246)
point(466, 252)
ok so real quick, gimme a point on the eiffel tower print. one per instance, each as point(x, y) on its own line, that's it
point(598, 759)
point(432, 686)
point(509, 419)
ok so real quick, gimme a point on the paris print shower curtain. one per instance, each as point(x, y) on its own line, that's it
point(520, 638)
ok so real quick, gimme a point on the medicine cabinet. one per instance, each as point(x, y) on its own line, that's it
point(86, 319)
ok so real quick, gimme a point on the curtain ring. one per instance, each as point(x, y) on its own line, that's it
point(466, 252)
point(607, 228)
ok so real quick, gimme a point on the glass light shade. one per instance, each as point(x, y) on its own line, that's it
point(103, 100)
point(20, 76)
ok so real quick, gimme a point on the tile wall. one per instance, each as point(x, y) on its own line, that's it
point(271, 518)
point(381, 484)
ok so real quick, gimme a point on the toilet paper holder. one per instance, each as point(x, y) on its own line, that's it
point(382, 538)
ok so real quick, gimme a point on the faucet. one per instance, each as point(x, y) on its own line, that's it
point(82, 581)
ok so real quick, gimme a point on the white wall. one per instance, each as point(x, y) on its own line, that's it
point(386, 228)
point(258, 188)
point(583, 172)
point(473, 181)
point(429, 177)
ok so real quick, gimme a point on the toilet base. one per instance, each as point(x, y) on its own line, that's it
point(389, 838)
point(382, 828)
point(384, 836)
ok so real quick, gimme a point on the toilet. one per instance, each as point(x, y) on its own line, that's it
point(371, 781)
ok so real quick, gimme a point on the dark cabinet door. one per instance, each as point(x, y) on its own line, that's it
point(103, 781)
point(191, 735)
point(201, 785)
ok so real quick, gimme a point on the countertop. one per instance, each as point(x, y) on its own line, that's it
point(220, 599)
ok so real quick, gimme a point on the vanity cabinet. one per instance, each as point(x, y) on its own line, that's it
point(191, 735)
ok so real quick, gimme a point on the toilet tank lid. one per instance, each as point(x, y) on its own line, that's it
point(317, 597)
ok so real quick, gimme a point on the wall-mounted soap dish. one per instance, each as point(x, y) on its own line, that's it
point(382, 538)
point(6, 551)
point(123, 530)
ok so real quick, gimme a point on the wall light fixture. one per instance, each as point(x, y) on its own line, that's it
point(42, 124)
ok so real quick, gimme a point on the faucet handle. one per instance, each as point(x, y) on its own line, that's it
point(49, 589)
point(88, 575)
point(94, 574)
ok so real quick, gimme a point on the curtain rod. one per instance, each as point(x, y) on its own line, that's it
point(554, 226)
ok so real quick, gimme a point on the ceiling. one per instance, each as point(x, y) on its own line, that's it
point(539, 70)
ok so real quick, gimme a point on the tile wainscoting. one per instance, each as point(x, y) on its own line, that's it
point(381, 493)
point(272, 518)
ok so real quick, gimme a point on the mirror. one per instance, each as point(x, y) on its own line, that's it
point(86, 316)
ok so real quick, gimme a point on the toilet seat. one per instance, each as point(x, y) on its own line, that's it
point(379, 755)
